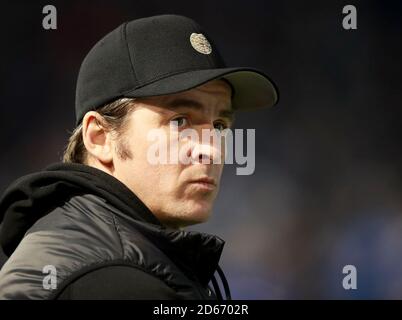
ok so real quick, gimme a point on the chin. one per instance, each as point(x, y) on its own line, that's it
point(198, 218)
point(197, 213)
point(185, 212)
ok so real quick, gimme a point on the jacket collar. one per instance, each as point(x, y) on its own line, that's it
point(33, 196)
point(199, 252)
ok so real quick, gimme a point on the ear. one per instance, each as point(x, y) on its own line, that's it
point(97, 140)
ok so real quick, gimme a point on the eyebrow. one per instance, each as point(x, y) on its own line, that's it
point(193, 104)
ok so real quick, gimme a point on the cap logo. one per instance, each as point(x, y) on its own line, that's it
point(200, 43)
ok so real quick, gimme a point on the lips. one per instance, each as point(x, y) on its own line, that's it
point(206, 180)
point(204, 183)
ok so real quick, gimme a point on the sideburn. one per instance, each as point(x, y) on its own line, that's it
point(122, 149)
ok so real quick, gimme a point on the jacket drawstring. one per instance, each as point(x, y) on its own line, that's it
point(225, 285)
point(218, 293)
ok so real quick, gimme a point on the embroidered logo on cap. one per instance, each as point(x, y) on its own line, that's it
point(200, 43)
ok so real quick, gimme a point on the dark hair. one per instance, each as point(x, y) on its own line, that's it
point(114, 119)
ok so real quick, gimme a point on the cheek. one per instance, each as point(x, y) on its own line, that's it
point(162, 177)
point(220, 169)
point(169, 178)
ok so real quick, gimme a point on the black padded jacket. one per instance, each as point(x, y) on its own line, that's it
point(74, 232)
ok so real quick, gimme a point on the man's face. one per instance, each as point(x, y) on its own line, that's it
point(171, 191)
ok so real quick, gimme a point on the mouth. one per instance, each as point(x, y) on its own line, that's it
point(205, 183)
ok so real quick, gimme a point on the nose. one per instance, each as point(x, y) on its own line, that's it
point(202, 153)
point(207, 150)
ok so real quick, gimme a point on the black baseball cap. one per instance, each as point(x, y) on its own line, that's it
point(161, 55)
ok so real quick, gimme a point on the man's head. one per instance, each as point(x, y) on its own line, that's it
point(158, 71)
point(178, 194)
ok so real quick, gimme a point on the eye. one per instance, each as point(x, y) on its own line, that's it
point(180, 121)
point(220, 126)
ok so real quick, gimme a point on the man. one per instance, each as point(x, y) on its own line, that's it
point(107, 222)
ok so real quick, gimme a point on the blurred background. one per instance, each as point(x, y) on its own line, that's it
point(327, 188)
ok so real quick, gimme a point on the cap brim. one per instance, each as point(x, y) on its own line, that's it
point(252, 88)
